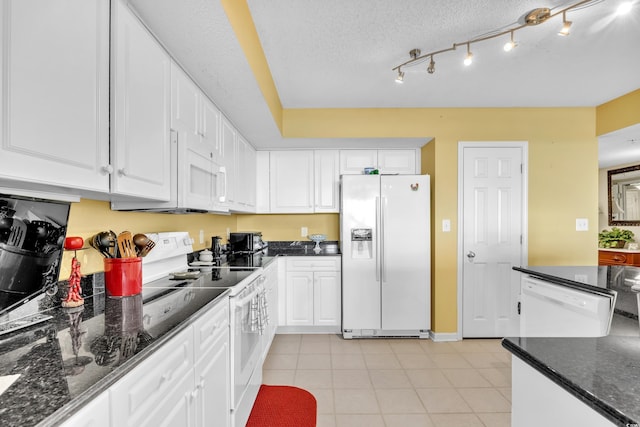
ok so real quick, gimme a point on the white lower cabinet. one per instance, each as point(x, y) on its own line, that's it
point(150, 391)
point(212, 385)
point(538, 401)
point(270, 275)
point(93, 414)
point(312, 287)
point(186, 382)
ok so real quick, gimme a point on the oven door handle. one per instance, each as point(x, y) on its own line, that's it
point(242, 301)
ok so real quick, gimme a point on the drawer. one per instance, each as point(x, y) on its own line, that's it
point(208, 328)
point(618, 258)
point(137, 394)
point(313, 263)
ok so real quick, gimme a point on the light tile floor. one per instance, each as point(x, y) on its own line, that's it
point(396, 382)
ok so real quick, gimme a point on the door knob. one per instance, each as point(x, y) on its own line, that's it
point(471, 255)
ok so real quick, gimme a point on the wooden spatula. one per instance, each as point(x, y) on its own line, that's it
point(125, 245)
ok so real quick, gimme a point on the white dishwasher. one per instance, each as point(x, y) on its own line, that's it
point(552, 310)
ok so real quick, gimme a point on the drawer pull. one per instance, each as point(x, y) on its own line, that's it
point(166, 377)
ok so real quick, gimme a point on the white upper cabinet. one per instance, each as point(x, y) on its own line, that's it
point(353, 162)
point(291, 181)
point(228, 159)
point(327, 180)
point(245, 176)
point(140, 109)
point(403, 162)
point(196, 121)
point(54, 87)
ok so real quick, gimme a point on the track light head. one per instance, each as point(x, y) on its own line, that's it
point(400, 77)
point(508, 46)
point(566, 25)
point(432, 66)
point(468, 60)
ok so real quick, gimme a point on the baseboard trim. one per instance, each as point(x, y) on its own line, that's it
point(443, 336)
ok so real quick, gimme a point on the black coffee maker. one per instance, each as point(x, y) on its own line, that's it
point(216, 247)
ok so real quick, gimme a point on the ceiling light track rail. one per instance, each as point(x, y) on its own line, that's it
point(534, 17)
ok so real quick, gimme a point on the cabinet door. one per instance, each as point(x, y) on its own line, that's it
point(140, 143)
point(210, 128)
point(54, 87)
point(291, 181)
point(353, 162)
point(326, 298)
point(262, 182)
point(176, 409)
point(212, 374)
point(299, 298)
point(228, 140)
point(401, 162)
point(93, 414)
point(327, 180)
point(246, 173)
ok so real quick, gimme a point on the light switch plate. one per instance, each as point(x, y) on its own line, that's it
point(582, 224)
point(446, 225)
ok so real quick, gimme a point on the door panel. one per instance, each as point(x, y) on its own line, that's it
point(406, 290)
point(491, 230)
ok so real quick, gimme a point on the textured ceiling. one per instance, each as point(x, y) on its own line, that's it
point(339, 53)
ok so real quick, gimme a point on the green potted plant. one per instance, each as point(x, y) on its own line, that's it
point(614, 238)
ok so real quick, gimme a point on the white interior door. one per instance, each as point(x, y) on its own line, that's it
point(492, 232)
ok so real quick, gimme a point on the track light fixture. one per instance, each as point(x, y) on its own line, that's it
point(534, 17)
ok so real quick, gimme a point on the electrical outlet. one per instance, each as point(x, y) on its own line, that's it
point(304, 232)
point(446, 225)
point(228, 233)
point(201, 236)
point(582, 224)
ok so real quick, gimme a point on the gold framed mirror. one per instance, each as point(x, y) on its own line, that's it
point(624, 195)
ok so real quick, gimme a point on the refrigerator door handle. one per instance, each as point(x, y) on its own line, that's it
point(377, 256)
point(383, 201)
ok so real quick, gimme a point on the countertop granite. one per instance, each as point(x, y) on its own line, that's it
point(297, 248)
point(69, 359)
point(64, 362)
point(602, 372)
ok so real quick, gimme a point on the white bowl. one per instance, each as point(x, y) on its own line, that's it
point(318, 237)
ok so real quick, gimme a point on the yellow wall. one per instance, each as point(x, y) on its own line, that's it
point(287, 227)
point(618, 113)
point(563, 151)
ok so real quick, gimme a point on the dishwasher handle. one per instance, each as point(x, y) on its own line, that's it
point(562, 297)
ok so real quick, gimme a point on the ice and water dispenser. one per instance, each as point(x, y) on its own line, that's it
point(361, 243)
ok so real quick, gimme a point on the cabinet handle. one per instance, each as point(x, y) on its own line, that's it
point(107, 169)
point(167, 376)
point(122, 172)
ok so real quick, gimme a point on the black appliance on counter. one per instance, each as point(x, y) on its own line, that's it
point(246, 243)
point(246, 249)
point(32, 233)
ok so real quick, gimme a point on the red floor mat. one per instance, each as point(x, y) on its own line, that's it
point(283, 406)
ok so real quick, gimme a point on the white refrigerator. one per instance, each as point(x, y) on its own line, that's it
point(386, 258)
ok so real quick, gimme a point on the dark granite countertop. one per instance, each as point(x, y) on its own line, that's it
point(295, 248)
point(69, 359)
point(602, 372)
